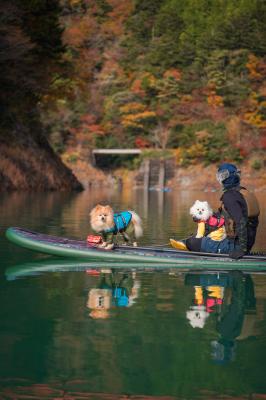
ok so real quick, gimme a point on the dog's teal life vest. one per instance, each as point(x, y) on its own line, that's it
point(120, 297)
point(121, 221)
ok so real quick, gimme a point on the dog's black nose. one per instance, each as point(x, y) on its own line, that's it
point(103, 218)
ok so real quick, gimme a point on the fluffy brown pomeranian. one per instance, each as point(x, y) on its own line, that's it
point(108, 224)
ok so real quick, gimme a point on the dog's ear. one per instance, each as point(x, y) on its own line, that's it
point(109, 209)
point(192, 209)
point(95, 209)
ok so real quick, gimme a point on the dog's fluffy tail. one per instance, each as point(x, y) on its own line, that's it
point(137, 223)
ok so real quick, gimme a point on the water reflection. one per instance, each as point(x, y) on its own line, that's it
point(231, 298)
point(112, 331)
point(114, 289)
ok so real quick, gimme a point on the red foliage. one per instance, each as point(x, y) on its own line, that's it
point(142, 143)
point(263, 140)
point(136, 87)
point(243, 150)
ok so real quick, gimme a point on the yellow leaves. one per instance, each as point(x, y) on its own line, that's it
point(131, 108)
point(74, 3)
point(178, 155)
point(149, 79)
point(255, 119)
point(135, 115)
point(70, 157)
point(137, 120)
point(186, 98)
point(253, 65)
point(197, 150)
point(255, 115)
point(192, 155)
point(214, 100)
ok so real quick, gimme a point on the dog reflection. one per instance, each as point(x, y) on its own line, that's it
point(114, 290)
point(99, 302)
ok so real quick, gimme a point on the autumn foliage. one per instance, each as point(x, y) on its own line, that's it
point(148, 74)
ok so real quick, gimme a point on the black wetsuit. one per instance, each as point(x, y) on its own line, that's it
point(245, 227)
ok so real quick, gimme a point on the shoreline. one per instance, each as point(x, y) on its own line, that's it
point(193, 177)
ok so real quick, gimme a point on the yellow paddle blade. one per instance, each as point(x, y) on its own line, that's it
point(178, 245)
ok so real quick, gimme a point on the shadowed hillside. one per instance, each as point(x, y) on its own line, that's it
point(30, 57)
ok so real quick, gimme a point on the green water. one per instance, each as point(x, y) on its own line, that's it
point(52, 335)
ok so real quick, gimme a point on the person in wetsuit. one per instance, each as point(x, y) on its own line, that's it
point(240, 209)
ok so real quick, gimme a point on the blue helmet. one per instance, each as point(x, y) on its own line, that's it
point(228, 175)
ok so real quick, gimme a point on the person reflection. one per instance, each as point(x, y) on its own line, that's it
point(230, 310)
point(115, 289)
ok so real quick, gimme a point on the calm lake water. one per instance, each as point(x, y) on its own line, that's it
point(163, 333)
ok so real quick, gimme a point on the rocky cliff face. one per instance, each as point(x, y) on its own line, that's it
point(32, 165)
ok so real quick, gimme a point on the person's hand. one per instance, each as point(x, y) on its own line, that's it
point(236, 254)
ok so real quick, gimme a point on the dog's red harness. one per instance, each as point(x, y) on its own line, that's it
point(212, 223)
point(215, 221)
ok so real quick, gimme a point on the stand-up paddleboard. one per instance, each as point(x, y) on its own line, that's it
point(80, 249)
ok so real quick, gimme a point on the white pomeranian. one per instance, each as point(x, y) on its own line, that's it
point(108, 224)
point(201, 210)
point(197, 316)
point(208, 222)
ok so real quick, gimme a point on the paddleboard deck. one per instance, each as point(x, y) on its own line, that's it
point(80, 249)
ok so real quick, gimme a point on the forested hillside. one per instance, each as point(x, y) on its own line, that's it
point(183, 74)
point(30, 58)
point(186, 75)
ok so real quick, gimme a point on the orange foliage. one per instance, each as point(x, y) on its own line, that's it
point(143, 80)
point(137, 88)
point(214, 100)
point(114, 25)
point(79, 31)
point(253, 65)
point(172, 73)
